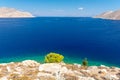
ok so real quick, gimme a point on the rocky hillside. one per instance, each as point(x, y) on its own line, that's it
point(114, 15)
point(11, 12)
point(32, 70)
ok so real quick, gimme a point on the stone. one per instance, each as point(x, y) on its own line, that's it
point(30, 63)
point(111, 77)
point(50, 67)
point(32, 70)
point(4, 78)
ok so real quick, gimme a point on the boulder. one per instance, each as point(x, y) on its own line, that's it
point(30, 63)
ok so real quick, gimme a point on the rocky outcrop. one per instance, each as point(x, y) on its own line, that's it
point(32, 70)
point(114, 15)
point(11, 12)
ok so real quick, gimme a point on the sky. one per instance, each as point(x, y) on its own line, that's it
point(79, 8)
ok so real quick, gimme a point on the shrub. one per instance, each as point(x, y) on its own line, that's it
point(53, 58)
point(85, 62)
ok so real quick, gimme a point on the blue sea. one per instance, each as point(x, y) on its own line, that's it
point(74, 37)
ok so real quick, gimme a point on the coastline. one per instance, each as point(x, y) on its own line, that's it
point(33, 70)
point(40, 59)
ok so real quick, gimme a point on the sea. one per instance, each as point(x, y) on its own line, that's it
point(76, 38)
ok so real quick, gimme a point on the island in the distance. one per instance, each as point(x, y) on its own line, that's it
point(113, 15)
point(13, 13)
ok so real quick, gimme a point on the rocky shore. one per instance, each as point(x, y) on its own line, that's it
point(32, 70)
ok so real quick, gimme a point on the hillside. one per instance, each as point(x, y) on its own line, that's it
point(114, 15)
point(11, 12)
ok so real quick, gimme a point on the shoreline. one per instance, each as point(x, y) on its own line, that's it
point(40, 59)
point(69, 60)
point(33, 70)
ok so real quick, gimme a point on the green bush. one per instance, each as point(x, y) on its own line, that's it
point(53, 58)
point(85, 62)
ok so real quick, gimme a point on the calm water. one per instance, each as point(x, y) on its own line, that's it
point(75, 38)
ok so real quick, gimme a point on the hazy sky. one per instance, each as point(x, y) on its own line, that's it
point(62, 7)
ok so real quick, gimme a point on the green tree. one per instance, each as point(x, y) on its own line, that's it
point(85, 62)
point(53, 58)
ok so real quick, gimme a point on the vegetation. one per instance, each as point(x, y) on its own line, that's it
point(54, 58)
point(85, 62)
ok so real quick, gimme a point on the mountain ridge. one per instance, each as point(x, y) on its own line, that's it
point(114, 15)
point(6, 12)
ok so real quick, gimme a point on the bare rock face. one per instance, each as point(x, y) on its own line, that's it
point(32, 70)
point(11, 12)
point(30, 63)
point(114, 15)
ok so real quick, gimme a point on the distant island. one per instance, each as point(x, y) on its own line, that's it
point(12, 13)
point(113, 15)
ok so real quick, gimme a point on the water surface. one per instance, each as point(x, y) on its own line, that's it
point(75, 38)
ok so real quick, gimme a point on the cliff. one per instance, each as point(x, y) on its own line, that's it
point(32, 70)
point(11, 12)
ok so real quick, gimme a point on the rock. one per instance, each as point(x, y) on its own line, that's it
point(46, 78)
point(19, 70)
point(92, 70)
point(103, 67)
point(30, 63)
point(32, 70)
point(8, 69)
point(118, 75)
point(53, 68)
point(78, 65)
point(102, 71)
point(78, 73)
point(72, 67)
point(111, 77)
point(70, 77)
point(86, 78)
point(50, 67)
point(4, 78)
point(63, 70)
point(44, 74)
